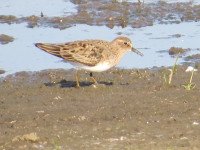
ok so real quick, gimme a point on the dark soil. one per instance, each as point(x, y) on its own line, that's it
point(130, 109)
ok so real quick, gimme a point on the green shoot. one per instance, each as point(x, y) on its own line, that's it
point(173, 69)
point(164, 77)
point(55, 145)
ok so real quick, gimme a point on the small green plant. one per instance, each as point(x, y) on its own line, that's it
point(55, 145)
point(190, 85)
point(171, 72)
point(173, 69)
point(139, 2)
point(164, 77)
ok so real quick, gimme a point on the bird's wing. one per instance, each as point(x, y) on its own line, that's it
point(85, 52)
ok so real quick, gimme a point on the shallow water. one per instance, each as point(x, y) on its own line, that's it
point(30, 7)
point(153, 41)
point(23, 55)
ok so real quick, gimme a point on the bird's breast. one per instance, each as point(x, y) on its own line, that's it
point(97, 68)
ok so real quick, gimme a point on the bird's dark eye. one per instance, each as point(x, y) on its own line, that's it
point(125, 43)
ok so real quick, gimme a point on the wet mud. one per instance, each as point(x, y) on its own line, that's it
point(5, 39)
point(177, 50)
point(2, 71)
point(113, 13)
point(194, 58)
point(129, 109)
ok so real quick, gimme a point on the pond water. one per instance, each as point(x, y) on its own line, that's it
point(30, 7)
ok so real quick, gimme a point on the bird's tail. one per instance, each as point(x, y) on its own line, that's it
point(49, 48)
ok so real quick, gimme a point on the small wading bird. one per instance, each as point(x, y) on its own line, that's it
point(91, 55)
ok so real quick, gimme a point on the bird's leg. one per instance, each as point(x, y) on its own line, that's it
point(77, 81)
point(93, 79)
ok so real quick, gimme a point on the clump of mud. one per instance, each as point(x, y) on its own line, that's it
point(10, 19)
point(177, 50)
point(32, 20)
point(176, 35)
point(195, 57)
point(113, 13)
point(5, 39)
point(2, 71)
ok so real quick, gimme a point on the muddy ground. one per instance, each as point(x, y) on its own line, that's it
point(130, 109)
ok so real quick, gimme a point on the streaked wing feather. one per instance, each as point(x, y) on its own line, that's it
point(83, 52)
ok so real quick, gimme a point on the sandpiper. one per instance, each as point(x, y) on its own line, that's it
point(91, 55)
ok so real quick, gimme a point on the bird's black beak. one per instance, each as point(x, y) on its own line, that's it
point(137, 52)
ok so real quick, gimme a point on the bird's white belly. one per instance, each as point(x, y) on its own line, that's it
point(98, 68)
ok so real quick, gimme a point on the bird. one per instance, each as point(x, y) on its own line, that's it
point(91, 55)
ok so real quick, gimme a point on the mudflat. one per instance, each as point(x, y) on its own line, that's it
point(130, 109)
